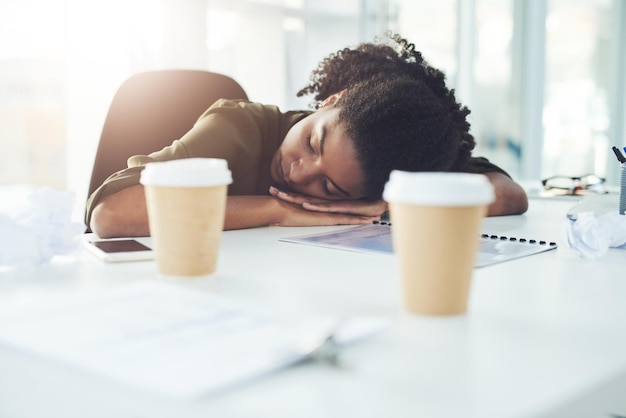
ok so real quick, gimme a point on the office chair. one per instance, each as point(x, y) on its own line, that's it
point(152, 109)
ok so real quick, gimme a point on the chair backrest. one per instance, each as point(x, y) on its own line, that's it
point(152, 109)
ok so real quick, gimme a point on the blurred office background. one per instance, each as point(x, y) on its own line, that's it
point(545, 79)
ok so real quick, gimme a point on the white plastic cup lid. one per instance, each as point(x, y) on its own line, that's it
point(438, 189)
point(187, 172)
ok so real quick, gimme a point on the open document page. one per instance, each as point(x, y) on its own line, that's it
point(376, 238)
point(166, 339)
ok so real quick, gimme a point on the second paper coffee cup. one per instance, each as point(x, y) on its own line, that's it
point(436, 220)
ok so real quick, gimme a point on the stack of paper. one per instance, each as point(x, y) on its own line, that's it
point(158, 337)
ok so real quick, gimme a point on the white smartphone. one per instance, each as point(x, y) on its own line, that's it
point(119, 249)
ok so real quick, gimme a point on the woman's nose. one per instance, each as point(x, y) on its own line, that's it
point(301, 172)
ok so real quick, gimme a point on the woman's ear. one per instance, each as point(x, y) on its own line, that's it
point(333, 99)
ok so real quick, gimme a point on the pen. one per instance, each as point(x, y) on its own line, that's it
point(619, 155)
point(622, 190)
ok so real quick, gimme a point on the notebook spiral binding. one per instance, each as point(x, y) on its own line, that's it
point(500, 237)
point(515, 239)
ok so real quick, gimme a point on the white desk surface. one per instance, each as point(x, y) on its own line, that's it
point(545, 336)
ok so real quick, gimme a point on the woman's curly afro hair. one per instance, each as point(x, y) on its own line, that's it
point(397, 110)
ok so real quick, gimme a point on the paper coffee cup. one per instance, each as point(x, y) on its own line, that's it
point(436, 220)
point(186, 202)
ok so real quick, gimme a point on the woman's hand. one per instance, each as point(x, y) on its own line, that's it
point(365, 208)
point(253, 211)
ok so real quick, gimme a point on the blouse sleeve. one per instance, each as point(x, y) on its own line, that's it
point(239, 132)
point(481, 165)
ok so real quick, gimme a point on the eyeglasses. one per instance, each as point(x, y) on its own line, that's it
point(589, 183)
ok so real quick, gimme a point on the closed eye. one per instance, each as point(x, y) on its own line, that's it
point(308, 144)
point(325, 186)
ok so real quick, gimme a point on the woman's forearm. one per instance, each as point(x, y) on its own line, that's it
point(124, 213)
point(250, 212)
point(121, 214)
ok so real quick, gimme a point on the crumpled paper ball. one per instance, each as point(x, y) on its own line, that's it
point(591, 236)
point(36, 224)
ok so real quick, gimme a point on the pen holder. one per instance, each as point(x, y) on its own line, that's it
point(622, 190)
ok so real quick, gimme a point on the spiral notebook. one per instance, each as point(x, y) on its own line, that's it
point(376, 238)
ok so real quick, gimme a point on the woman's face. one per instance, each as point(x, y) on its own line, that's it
point(317, 159)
